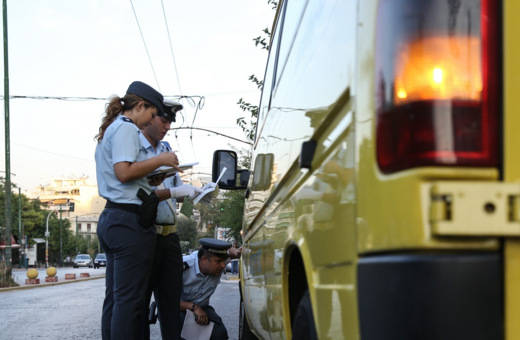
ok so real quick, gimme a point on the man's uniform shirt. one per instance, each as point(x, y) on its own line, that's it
point(165, 215)
point(197, 287)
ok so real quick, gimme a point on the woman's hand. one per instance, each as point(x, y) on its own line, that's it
point(170, 159)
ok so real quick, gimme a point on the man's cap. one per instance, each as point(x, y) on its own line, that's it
point(148, 93)
point(171, 107)
point(214, 246)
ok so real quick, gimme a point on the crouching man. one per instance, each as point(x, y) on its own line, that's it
point(202, 272)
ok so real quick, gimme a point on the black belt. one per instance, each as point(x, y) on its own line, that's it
point(132, 208)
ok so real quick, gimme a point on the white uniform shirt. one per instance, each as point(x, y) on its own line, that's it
point(197, 287)
point(120, 143)
point(165, 215)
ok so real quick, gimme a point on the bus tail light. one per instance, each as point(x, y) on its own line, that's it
point(437, 83)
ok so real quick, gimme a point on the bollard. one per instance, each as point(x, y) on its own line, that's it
point(32, 275)
point(51, 272)
point(84, 275)
point(70, 276)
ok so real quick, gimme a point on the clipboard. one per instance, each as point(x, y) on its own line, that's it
point(170, 171)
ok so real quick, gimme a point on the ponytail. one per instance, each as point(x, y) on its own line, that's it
point(115, 107)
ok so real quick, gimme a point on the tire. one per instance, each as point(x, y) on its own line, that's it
point(244, 332)
point(304, 327)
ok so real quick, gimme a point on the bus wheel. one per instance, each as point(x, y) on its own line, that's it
point(303, 327)
point(244, 332)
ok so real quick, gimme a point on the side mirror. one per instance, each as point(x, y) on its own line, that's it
point(229, 181)
point(225, 159)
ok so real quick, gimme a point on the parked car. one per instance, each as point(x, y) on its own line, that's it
point(100, 261)
point(83, 260)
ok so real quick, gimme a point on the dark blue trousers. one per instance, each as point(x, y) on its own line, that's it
point(129, 249)
point(166, 284)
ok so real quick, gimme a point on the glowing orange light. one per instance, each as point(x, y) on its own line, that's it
point(401, 94)
point(437, 75)
point(439, 68)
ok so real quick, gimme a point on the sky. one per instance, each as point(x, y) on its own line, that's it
point(94, 48)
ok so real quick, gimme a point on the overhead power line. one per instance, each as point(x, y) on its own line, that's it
point(144, 42)
point(171, 48)
point(217, 133)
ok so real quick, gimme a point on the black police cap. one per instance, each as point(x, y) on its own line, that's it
point(217, 247)
point(171, 107)
point(148, 93)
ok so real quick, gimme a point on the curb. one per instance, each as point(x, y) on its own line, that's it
point(9, 289)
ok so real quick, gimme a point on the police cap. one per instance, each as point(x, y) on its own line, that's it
point(214, 246)
point(171, 107)
point(148, 93)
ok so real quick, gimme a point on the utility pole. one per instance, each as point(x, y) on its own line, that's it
point(47, 234)
point(77, 226)
point(61, 255)
point(20, 227)
point(8, 244)
point(24, 247)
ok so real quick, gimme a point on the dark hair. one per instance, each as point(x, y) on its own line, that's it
point(117, 105)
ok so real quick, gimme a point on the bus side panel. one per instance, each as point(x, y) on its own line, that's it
point(511, 9)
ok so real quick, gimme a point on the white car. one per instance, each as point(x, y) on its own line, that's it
point(83, 260)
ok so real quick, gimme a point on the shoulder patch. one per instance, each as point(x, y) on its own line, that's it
point(188, 262)
point(128, 120)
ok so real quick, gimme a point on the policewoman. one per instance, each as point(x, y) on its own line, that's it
point(166, 273)
point(126, 226)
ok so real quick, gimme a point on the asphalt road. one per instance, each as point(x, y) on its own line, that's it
point(73, 311)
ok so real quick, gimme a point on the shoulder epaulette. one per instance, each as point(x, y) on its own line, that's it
point(128, 120)
point(185, 265)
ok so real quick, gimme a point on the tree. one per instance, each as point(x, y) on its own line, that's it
point(232, 212)
point(187, 230)
point(249, 127)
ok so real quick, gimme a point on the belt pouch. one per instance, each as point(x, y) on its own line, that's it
point(148, 209)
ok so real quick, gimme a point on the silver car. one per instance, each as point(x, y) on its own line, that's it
point(83, 260)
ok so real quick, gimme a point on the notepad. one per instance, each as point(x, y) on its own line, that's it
point(193, 331)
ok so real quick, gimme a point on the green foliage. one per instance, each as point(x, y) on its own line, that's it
point(209, 214)
point(262, 40)
point(233, 205)
point(249, 127)
point(187, 230)
point(185, 247)
point(33, 219)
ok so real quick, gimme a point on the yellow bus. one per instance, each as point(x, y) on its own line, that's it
point(384, 196)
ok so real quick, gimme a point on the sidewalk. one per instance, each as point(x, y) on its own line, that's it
point(230, 277)
point(20, 275)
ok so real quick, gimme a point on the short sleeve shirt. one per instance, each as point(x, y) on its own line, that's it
point(197, 287)
point(165, 215)
point(120, 143)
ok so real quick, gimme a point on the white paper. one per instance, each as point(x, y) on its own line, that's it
point(206, 190)
point(191, 330)
point(188, 165)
